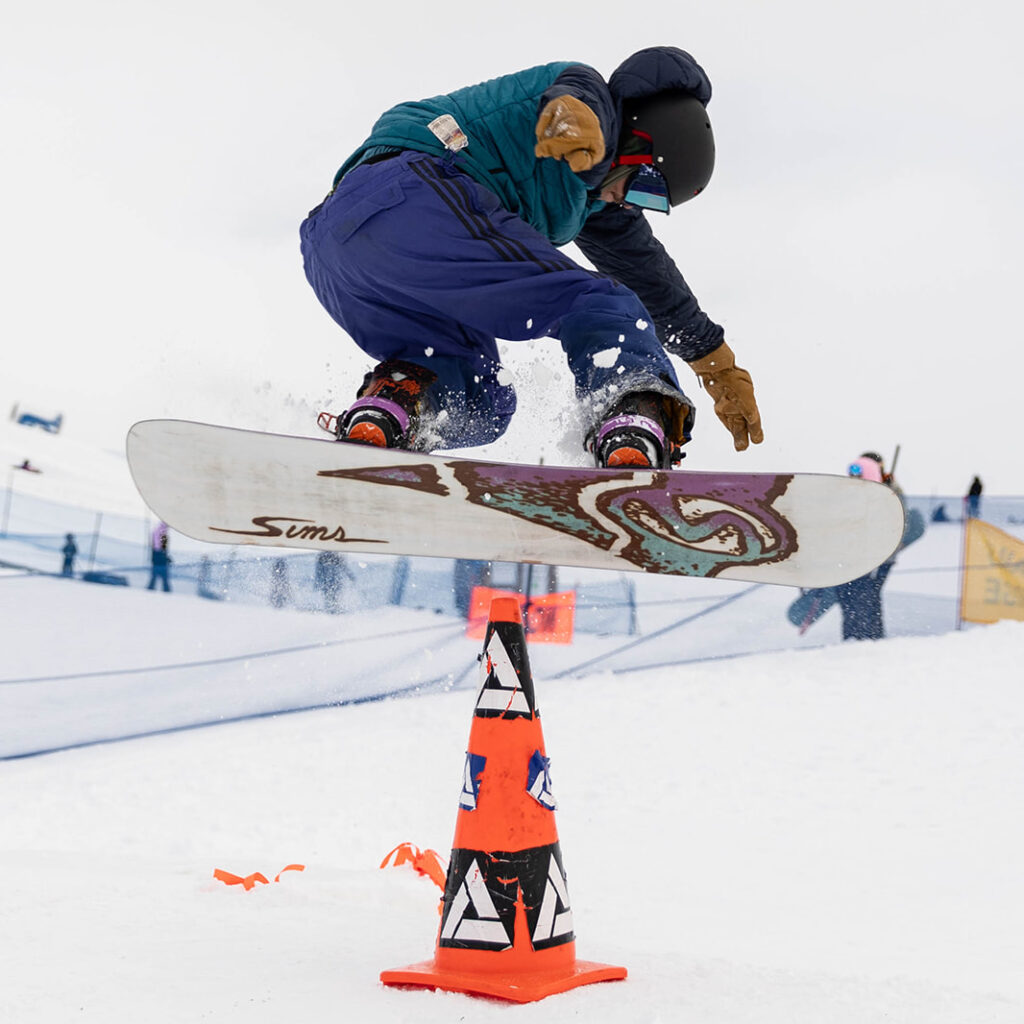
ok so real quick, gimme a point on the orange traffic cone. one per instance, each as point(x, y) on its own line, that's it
point(506, 927)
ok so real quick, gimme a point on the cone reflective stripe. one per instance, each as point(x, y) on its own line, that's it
point(506, 926)
point(506, 685)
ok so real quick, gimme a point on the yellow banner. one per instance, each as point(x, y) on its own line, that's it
point(993, 577)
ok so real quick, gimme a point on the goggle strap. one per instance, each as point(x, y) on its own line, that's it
point(634, 160)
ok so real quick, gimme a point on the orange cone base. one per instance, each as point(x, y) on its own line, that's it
point(517, 986)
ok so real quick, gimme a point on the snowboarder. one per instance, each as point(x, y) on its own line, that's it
point(441, 232)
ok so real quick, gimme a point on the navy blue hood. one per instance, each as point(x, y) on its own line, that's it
point(658, 69)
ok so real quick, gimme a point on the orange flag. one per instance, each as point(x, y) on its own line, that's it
point(549, 619)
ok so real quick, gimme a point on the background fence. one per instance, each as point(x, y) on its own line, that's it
point(113, 547)
point(116, 548)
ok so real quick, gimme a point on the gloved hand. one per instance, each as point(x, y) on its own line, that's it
point(733, 391)
point(568, 129)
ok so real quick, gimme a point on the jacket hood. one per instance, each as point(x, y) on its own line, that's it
point(658, 69)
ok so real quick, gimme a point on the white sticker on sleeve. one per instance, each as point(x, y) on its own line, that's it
point(447, 129)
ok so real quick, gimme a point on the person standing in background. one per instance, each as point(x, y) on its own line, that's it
point(70, 552)
point(330, 577)
point(861, 599)
point(973, 499)
point(280, 585)
point(161, 560)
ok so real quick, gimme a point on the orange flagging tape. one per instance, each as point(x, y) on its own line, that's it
point(426, 862)
point(249, 881)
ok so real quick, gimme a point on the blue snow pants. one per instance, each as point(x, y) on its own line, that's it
point(417, 261)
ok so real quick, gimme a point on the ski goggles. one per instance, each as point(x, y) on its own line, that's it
point(646, 186)
point(866, 469)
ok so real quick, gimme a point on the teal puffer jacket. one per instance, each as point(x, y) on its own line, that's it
point(498, 117)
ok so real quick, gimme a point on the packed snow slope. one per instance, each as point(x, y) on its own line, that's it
point(813, 835)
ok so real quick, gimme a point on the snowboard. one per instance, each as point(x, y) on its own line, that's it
point(810, 606)
point(233, 486)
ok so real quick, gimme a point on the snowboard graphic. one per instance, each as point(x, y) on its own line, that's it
point(232, 486)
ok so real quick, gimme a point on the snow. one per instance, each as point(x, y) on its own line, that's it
point(788, 835)
point(607, 358)
point(782, 837)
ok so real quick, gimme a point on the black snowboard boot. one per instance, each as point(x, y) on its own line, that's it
point(390, 406)
point(634, 434)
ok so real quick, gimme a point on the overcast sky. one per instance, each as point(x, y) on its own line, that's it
point(860, 241)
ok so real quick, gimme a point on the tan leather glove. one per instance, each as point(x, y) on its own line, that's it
point(568, 129)
point(733, 391)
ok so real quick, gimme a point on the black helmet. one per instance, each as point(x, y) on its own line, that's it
point(678, 127)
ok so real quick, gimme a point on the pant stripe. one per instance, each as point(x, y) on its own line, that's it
point(475, 225)
point(455, 195)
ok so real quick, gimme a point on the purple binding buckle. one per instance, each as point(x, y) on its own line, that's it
point(383, 405)
point(644, 423)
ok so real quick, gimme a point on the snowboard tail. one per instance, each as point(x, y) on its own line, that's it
point(226, 485)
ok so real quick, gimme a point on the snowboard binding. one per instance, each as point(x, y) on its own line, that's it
point(388, 410)
point(633, 435)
